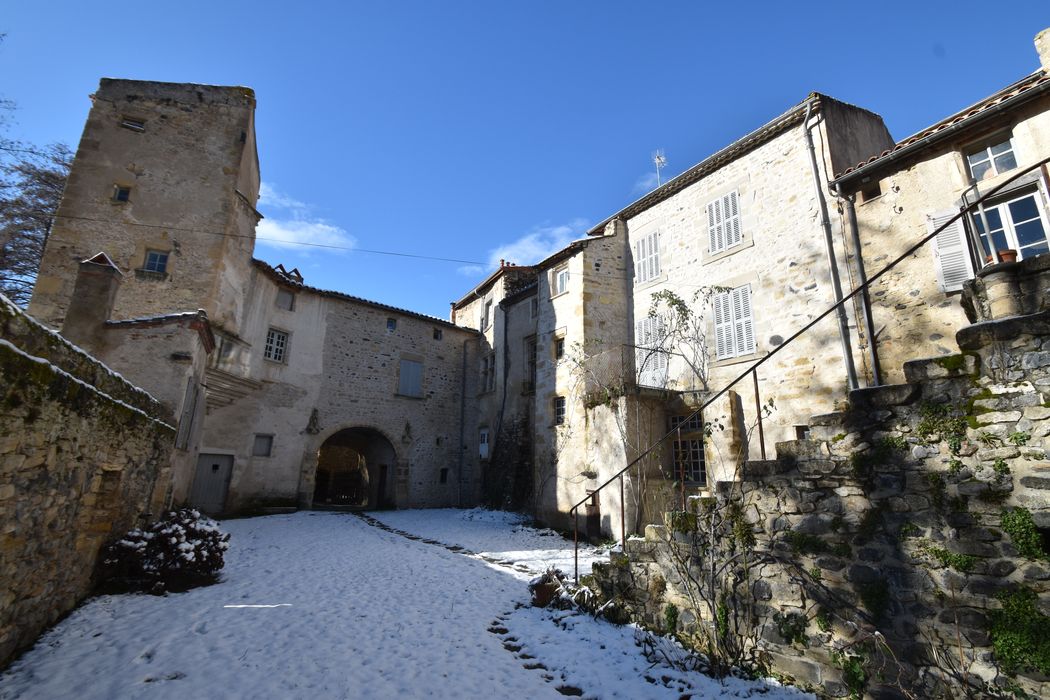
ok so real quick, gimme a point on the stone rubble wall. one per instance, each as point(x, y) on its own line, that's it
point(889, 518)
point(84, 456)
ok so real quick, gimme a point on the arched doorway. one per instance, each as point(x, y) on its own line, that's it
point(355, 468)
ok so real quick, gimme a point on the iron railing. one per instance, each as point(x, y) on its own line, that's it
point(979, 262)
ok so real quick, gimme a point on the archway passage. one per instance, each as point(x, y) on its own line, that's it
point(355, 468)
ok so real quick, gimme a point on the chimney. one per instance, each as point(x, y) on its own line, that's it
point(98, 279)
point(1042, 45)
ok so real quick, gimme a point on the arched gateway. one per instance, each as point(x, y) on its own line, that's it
point(355, 467)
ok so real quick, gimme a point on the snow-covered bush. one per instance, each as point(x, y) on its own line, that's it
point(178, 552)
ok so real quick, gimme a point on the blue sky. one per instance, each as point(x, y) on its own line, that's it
point(476, 131)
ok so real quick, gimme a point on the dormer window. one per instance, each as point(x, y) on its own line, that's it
point(992, 159)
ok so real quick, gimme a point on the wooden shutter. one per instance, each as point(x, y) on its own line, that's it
point(411, 379)
point(723, 222)
point(732, 219)
point(723, 326)
point(743, 328)
point(654, 255)
point(951, 255)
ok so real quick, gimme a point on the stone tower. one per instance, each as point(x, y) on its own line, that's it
point(165, 182)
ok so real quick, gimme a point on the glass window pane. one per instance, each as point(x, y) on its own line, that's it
point(1023, 210)
point(1040, 249)
point(1002, 147)
point(1031, 233)
point(981, 170)
point(1005, 162)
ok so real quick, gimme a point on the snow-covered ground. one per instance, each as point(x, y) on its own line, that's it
point(327, 605)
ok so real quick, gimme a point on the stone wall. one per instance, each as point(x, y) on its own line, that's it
point(83, 458)
point(883, 546)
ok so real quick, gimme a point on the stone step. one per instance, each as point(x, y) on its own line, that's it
point(827, 425)
point(754, 468)
point(943, 367)
point(877, 397)
point(795, 450)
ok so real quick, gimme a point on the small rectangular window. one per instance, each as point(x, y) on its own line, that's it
point(438, 334)
point(133, 124)
point(391, 325)
point(483, 443)
point(559, 280)
point(488, 372)
point(121, 193)
point(534, 307)
point(276, 348)
point(285, 300)
point(559, 410)
point(486, 315)
point(410, 379)
point(992, 159)
point(443, 477)
point(559, 348)
point(262, 446)
point(870, 191)
point(156, 261)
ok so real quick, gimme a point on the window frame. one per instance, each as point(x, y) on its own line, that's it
point(163, 266)
point(133, 124)
point(121, 194)
point(1009, 226)
point(488, 373)
point(690, 442)
point(985, 149)
point(274, 351)
point(402, 388)
point(559, 281)
point(559, 406)
point(483, 442)
point(269, 445)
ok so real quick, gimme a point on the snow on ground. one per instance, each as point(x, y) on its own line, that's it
point(325, 605)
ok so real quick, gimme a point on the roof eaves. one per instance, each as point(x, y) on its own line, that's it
point(731, 152)
point(1011, 96)
point(282, 279)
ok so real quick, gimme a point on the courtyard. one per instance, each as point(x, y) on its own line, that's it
point(333, 605)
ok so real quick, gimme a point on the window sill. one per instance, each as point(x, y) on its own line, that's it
point(417, 397)
point(738, 360)
point(272, 361)
point(150, 275)
point(552, 297)
point(747, 242)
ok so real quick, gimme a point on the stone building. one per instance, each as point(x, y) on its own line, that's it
point(922, 182)
point(287, 395)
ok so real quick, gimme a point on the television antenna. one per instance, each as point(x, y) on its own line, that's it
point(660, 161)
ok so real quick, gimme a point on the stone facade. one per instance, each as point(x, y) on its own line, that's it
point(891, 535)
point(164, 184)
point(84, 456)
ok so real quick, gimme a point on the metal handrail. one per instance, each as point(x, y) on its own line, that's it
point(574, 511)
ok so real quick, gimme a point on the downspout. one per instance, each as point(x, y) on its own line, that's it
point(836, 283)
point(862, 275)
point(462, 425)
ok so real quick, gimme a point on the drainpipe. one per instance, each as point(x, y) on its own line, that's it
point(462, 426)
point(869, 322)
point(836, 284)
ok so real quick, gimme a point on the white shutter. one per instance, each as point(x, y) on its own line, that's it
point(732, 220)
point(723, 326)
point(654, 255)
point(712, 226)
point(742, 321)
point(639, 268)
point(950, 252)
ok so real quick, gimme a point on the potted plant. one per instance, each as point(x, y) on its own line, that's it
point(1008, 255)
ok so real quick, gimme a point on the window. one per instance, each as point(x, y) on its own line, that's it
point(559, 410)
point(559, 280)
point(488, 372)
point(530, 364)
point(156, 261)
point(734, 327)
point(121, 193)
point(285, 300)
point(443, 476)
point(133, 124)
point(483, 443)
point(559, 348)
point(870, 191)
point(687, 449)
point(649, 358)
point(992, 160)
point(391, 325)
point(723, 223)
point(534, 307)
point(410, 379)
point(486, 315)
point(1018, 223)
point(276, 348)
point(438, 334)
point(262, 445)
point(647, 258)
